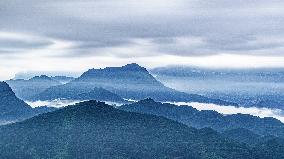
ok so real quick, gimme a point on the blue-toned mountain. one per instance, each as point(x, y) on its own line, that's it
point(26, 89)
point(13, 109)
point(95, 130)
point(130, 81)
point(251, 87)
point(207, 118)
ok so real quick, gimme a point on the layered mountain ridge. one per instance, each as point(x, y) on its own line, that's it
point(130, 82)
point(93, 129)
point(207, 118)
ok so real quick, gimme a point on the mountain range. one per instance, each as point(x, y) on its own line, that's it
point(95, 130)
point(255, 87)
point(207, 118)
point(145, 129)
point(148, 128)
point(129, 82)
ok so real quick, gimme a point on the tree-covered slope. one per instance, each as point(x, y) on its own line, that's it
point(96, 130)
point(207, 118)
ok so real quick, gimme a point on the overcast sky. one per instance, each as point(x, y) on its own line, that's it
point(69, 35)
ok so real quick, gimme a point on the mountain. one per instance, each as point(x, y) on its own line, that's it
point(62, 79)
point(131, 82)
point(75, 92)
point(251, 74)
point(258, 87)
point(95, 130)
point(13, 109)
point(207, 118)
point(30, 74)
point(26, 89)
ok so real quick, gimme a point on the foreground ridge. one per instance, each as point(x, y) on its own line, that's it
point(94, 129)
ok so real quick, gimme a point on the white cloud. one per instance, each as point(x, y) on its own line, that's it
point(260, 112)
point(221, 33)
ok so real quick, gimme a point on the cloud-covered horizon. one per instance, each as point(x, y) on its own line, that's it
point(111, 32)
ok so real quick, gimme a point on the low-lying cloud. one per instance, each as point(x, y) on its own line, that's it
point(53, 103)
point(226, 110)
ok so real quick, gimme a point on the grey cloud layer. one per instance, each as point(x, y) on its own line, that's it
point(181, 27)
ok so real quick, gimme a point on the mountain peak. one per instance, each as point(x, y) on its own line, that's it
point(11, 107)
point(147, 101)
point(91, 102)
point(134, 67)
point(92, 105)
point(41, 77)
point(4, 87)
point(132, 70)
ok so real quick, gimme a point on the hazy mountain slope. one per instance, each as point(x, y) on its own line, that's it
point(26, 89)
point(200, 119)
point(100, 94)
point(78, 92)
point(13, 109)
point(130, 81)
point(260, 87)
point(96, 130)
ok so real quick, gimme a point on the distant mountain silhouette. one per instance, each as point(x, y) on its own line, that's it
point(13, 109)
point(96, 130)
point(207, 118)
point(250, 87)
point(26, 89)
point(131, 82)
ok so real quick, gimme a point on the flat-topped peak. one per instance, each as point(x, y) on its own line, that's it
point(41, 77)
point(127, 67)
point(91, 102)
point(117, 72)
point(133, 66)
